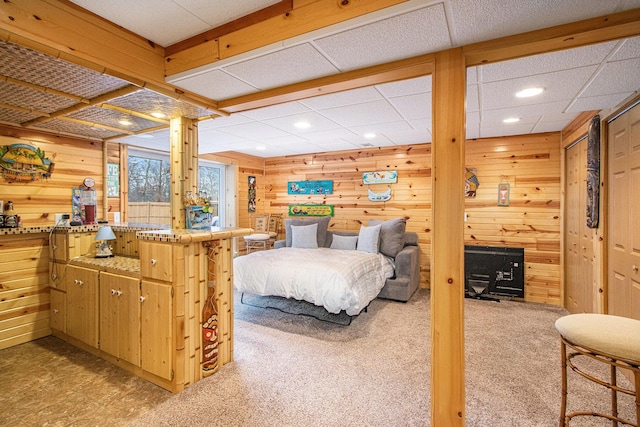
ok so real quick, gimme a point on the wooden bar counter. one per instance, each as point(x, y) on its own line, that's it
point(143, 309)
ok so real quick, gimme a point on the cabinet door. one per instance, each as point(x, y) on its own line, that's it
point(155, 260)
point(58, 312)
point(120, 316)
point(82, 304)
point(157, 329)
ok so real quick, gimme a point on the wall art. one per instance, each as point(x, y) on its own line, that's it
point(593, 173)
point(380, 177)
point(503, 194)
point(113, 180)
point(24, 162)
point(310, 187)
point(310, 210)
point(471, 182)
point(379, 197)
point(252, 193)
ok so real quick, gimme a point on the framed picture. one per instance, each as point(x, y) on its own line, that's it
point(503, 194)
point(252, 193)
point(471, 182)
point(197, 218)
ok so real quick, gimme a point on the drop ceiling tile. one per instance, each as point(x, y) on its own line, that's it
point(402, 36)
point(473, 118)
point(602, 102)
point(382, 128)
point(334, 145)
point(286, 66)
point(630, 49)
point(408, 137)
point(616, 77)
point(472, 75)
point(413, 107)
point(327, 135)
point(547, 63)
point(284, 141)
point(218, 12)
point(473, 98)
point(551, 126)
point(221, 122)
point(278, 110)
point(425, 123)
point(254, 131)
point(212, 136)
point(338, 99)
point(215, 84)
point(559, 85)
point(524, 111)
point(478, 21)
point(472, 131)
point(488, 131)
point(317, 122)
point(362, 114)
point(378, 141)
point(405, 87)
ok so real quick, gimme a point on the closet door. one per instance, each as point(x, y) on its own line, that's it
point(623, 213)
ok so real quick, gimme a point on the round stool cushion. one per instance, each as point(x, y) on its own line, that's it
point(614, 335)
point(258, 237)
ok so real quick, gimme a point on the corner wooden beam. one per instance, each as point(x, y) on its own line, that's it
point(377, 74)
point(576, 34)
point(447, 245)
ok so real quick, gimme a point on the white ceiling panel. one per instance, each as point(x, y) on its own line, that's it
point(616, 77)
point(413, 107)
point(551, 126)
point(316, 122)
point(629, 49)
point(473, 98)
point(253, 131)
point(589, 103)
point(488, 131)
point(329, 135)
point(224, 121)
point(414, 136)
point(363, 114)
point(290, 65)
point(216, 84)
point(338, 99)
point(405, 87)
point(275, 111)
point(410, 34)
point(524, 111)
point(382, 128)
point(218, 12)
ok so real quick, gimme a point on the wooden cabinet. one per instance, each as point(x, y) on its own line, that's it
point(82, 304)
point(58, 319)
point(157, 329)
point(120, 316)
point(156, 260)
point(70, 245)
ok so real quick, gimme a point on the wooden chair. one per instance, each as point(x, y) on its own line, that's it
point(275, 221)
point(612, 340)
point(260, 237)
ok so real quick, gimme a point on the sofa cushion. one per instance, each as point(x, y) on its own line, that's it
point(369, 239)
point(392, 235)
point(344, 242)
point(323, 223)
point(304, 236)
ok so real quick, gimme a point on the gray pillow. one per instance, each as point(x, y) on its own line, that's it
point(369, 238)
point(344, 242)
point(392, 234)
point(304, 236)
point(323, 224)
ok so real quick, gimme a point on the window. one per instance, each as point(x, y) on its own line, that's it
point(211, 184)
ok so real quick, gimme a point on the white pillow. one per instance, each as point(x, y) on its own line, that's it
point(369, 238)
point(304, 236)
point(344, 242)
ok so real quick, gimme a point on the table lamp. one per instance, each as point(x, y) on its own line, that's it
point(104, 234)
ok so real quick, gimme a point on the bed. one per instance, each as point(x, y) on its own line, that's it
point(340, 271)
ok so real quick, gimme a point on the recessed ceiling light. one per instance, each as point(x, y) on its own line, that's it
point(125, 122)
point(302, 125)
point(158, 115)
point(511, 120)
point(369, 135)
point(532, 91)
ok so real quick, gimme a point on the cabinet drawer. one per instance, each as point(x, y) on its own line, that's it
point(58, 312)
point(156, 260)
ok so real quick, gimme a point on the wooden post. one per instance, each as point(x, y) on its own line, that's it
point(184, 166)
point(447, 254)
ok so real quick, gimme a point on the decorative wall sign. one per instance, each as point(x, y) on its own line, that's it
point(593, 173)
point(113, 180)
point(471, 182)
point(380, 177)
point(24, 162)
point(380, 197)
point(503, 194)
point(310, 210)
point(252, 193)
point(80, 199)
point(310, 187)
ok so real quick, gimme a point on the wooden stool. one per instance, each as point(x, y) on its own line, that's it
point(612, 340)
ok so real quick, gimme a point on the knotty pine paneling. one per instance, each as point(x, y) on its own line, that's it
point(73, 159)
point(531, 165)
point(410, 196)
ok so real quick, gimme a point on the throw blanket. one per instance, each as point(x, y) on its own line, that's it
point(335, 279)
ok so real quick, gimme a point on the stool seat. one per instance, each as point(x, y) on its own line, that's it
point(256, 237)
point(613, 335)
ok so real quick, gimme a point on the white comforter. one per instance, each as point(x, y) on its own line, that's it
point(335, 279)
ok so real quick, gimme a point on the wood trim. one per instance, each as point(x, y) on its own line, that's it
point(377, 74)
point(577, 128)
point(576, 34)
point(447, 268)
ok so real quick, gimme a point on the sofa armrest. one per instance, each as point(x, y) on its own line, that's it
point(408, 262)
point(407, 277)
point(279, 244)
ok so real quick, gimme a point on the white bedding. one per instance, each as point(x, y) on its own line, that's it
point(335, 279)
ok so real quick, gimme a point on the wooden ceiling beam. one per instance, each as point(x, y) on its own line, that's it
point(95, 125)
point(377, 74)
point(43, 89)
point(112, 107)
point(576, 34)
point(24, 110)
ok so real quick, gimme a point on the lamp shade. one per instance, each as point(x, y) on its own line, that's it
point(105, 233)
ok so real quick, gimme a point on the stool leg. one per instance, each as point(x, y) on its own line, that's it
point(614, 396)
point(636, 376)
point(563, 402)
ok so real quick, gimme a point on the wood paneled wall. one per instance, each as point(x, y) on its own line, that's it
point(531, 165)
point(73, 160)
point(410, 196)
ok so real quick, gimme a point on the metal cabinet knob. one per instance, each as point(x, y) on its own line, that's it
point(141, 298)
point(118, 293)
point(113, 291)
point(153, 261)
point(634, 268)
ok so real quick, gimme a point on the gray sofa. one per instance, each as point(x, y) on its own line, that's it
point(394, 240)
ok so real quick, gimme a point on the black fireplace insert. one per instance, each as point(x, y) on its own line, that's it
point(491, 272)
